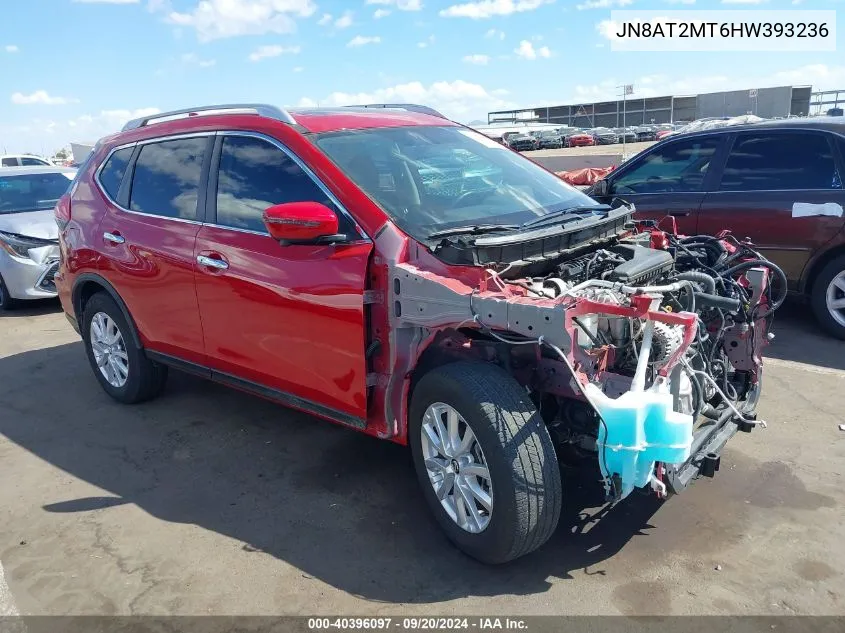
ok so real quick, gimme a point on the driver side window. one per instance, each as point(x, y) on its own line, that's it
point(679, 166)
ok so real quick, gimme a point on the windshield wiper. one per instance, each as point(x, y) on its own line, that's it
point(563, 213)
point(476, 229)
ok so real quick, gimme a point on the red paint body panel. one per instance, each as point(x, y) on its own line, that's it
point(154, 273)
point(288, 317)
point(326, 121)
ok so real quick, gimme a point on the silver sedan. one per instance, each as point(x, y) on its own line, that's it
point(29, 247)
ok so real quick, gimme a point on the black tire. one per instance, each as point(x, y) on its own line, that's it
point(6, 301)
point(818, 297)
point(520, 456)
point(145, 379)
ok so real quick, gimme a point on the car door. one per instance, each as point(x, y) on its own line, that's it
point(286, 321)
point(773, 188)
point(148, 234)
point(668, 180)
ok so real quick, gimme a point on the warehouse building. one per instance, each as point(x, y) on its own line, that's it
point(782, 101)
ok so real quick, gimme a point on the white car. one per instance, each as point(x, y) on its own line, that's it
point(29, 245)
point(23, 160)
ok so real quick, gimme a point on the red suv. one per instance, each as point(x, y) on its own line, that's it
point(397, 273)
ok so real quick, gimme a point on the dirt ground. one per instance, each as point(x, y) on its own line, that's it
point(209, 501)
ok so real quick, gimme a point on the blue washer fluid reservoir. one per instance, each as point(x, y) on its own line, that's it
point(642, 428)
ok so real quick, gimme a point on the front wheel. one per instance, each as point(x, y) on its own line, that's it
point(485, 461)
point(6, 300)
point(828, 298)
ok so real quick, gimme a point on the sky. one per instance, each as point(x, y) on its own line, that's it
point(75, 70)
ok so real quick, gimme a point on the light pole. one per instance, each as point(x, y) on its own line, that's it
point(627, 89)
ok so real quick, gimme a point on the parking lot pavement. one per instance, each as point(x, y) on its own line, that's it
point(570, 158)
point(211, 501)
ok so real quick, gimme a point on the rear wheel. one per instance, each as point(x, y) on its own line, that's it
point(119, 364)
point(828, 298)
point(485, 461)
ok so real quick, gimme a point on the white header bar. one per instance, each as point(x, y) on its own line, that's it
point(721, 31)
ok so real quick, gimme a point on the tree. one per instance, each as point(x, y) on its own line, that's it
point(63, 154)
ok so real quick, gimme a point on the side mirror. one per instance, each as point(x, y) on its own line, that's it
point(600, 188)
point(302, 223)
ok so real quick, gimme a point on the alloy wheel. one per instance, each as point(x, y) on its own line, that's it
point(109, 349)
point(456, 467)
point(835, 298)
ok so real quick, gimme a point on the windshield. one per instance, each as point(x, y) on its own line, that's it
point(32, 192)
point(434, 178)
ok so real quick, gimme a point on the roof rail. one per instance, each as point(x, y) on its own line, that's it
point(259, 109)
point(410, 107)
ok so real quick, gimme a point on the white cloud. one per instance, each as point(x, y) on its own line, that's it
point(426, 42)
point(272, 50)
point(380, 13)
point(11, 48)
point(481, 60)
point(608, 29)
point(401, 5)
point(344, 21)
point(605, 4)
point(298, 69)
point(488, 8)
point(680, 1)
point(217, 19)
point(40, 97)
point(326, 19)
point(744, 1)
point(363, 40)
point(458, 99)
point(526, 50)
point(495, 33)
point(192, 59)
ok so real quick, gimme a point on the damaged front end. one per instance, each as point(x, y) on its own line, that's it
point(639, 348)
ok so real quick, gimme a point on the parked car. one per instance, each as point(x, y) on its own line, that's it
point(29, 249)
point(551, 139)
point(629, 136)
point(646, 133)
point(298, 255)
point(661, 134)
point(523, 142)
point(580, 139)
point(23, 160)
point(779, 183)
point(604, 136)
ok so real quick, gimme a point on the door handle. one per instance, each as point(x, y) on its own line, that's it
point(681, 213)
point(114, 238)
point(212, 262)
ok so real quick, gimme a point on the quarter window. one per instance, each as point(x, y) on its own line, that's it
point(167, 177)
point(255, 174)
point(677, 166)
point(760, 162)
point(112, 173)
point(9, 162)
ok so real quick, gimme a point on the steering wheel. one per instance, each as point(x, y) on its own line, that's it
point(466, 195)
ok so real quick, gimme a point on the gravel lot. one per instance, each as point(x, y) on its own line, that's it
point(211, 501)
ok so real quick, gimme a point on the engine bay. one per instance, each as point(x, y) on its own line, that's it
point(641, 349)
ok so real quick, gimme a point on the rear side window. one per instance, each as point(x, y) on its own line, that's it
point(788, 161)
point(255, 174)
point(9, 162)
point(167, 177)
point(112, 173)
